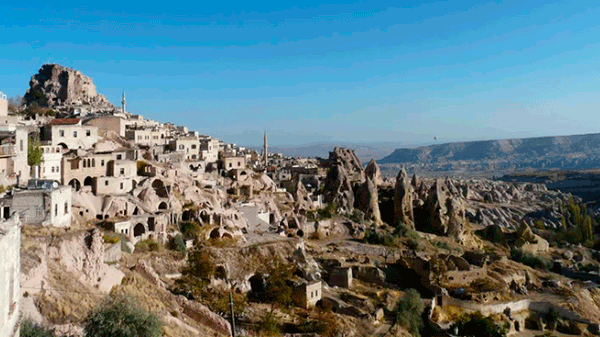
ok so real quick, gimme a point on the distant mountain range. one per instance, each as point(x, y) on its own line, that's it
point(558, 152)
point(364, 151)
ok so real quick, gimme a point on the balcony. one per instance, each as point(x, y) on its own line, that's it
point(7, 150)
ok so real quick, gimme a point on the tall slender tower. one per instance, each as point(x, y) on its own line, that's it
point(124, 101)
point(265, 153)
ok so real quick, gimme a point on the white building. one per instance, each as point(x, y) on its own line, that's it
point(10, 270)
point(44, 202)
point(50, 168)
point(70, 134)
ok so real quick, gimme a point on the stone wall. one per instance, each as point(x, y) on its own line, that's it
point(10, 270)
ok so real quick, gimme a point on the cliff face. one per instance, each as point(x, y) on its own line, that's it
point(575, 152)
point(54, 86)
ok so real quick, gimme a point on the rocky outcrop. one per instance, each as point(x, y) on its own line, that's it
point(338, 188)
point(373, 172)
point(368, 202)
point(301, 198)
point(57, 86)
point(403, 200)
point(349, 161)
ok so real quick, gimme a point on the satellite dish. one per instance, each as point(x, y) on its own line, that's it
point(55, 184)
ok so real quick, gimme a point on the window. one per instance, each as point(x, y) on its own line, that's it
point(102, 162)
point(93, 162)
point(119, 156)
point(58, 169)
point(106, 183)
point(61, 133)
point(21, 145)
point(52, 169)
point(121, 185)
point(181, 147)
point(229, 164)
point(122, 170)
point(84, 163)
point(194, 146)
point(55, 209)
point(239, 164)
point(88, 133)
point(139, 137)
point(66, 208)
point(74, 134)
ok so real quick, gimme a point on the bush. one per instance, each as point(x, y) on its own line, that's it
point(32, 329)
point(357, 216)
point(530, 260)
point(409, 311)
point(482, 285)
point(190, 230)
point(375, 237)
point(148, 245)
point(177, 243)
point(478, 325)
point(200, 265)
point(121, 316)
point(269, 325)
point(111, 239)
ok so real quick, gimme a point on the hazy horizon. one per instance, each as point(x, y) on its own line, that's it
point(363, 72)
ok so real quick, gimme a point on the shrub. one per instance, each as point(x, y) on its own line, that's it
point(32, 329)
point(478, 325)
point(269, 325)
point(200, 265)
point(530, 260)
point(375, 237)
point(357, 216)
point(190, 230)
point(409, 311)
point(148, 245)
point(483, 285)
point(177, 243)
point(121, 316)
point(111, 238)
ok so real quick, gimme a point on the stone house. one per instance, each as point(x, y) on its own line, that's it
point(13, 153)
point(70, 134)
point(148, 137)
point(10, 270)
point(78, 171)
point(234, 163)
point(188, 146)
point(308, 293)
point(51, 167)
point(44, 202)
point(209, 149)
point(108, 123)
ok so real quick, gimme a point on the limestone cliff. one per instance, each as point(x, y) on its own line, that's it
point(57, 86)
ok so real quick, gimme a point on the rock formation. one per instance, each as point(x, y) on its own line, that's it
point(373, 172)
point(338, 188)
point(57, 86)
point(349, 161)
point(403, 200)
point(368, 202)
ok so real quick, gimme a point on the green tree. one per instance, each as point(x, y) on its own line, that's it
point(32, 329)
point(278, 291)
point(200, 265)
point(35, 153)
point(478, 325)
point(121, 316)
point(409, 311)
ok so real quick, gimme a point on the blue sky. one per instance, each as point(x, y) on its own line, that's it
point(369, 71)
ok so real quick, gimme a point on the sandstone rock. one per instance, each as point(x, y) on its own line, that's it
point(367, 201)
point(55, 85)
point(338, 188)
point(403, 200)
point(301, 197)
point(349, 161)
point(373, 172)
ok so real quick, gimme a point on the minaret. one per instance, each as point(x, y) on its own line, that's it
point(265, 153)
point(124, 101)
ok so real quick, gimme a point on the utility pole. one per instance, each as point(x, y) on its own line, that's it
point(232, 313)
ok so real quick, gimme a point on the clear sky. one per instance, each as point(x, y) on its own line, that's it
point(307, 72)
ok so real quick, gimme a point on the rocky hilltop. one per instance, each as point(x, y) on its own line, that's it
point(56, 86)
point(564, 152)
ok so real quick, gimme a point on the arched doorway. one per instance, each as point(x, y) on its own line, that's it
point(74, 183)
point(88, 181)
point(214, 234)
point(163, 205)
point(160, 188)
point(139, 230)
point(64, 148)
